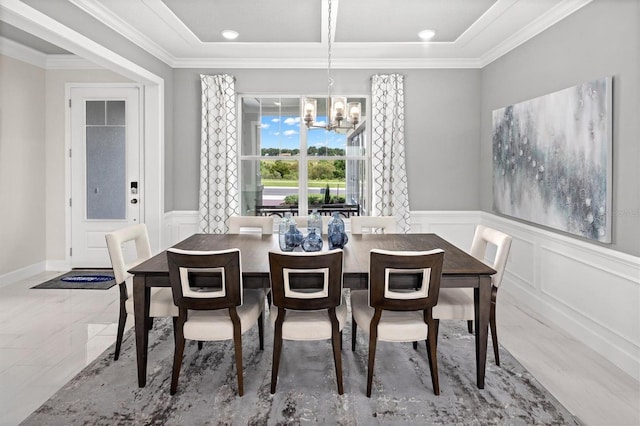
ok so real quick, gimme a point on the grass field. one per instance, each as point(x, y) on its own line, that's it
point(294, 183)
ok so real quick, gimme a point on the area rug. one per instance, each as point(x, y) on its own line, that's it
point(107, 393)
point(84, 279)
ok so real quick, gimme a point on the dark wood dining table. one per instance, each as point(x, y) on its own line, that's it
point(459, 270)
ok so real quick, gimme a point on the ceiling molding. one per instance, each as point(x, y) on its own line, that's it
point(555, 15)
point(306, 63)
point(26, 18)
point(22, 53)
point(113, 21)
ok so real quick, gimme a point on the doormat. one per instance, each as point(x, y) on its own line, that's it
point(81, 279)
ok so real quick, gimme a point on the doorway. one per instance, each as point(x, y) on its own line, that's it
point(106, 191)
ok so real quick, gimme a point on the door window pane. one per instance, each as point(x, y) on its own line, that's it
point(105, 160)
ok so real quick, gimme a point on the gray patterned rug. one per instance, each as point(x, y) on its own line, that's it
point(106, 392)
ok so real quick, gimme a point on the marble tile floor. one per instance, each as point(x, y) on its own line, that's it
point(48, 336)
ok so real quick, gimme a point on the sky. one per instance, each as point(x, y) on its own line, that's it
point(284, 132)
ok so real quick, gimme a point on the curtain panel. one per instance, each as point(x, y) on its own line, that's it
point(388, 170)
point(219, 195)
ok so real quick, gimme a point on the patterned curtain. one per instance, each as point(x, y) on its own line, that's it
point(219, 196)
point(389, 175)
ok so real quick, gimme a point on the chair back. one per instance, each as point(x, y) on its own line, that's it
point(374, 224)
point(405, 280)
point(136, 234)
point(264, 223)
point(502, 242)
point(205, 280)
point(306, 281)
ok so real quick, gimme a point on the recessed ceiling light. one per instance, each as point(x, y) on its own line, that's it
point(229, 34)
point(426, 35)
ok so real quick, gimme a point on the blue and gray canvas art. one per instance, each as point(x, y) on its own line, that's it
point(552, 160)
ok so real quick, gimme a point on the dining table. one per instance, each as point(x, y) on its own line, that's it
point(460, 269)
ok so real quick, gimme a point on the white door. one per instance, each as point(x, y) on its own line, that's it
point(105, 173)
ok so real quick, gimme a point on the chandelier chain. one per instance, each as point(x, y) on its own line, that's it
point(329, 45)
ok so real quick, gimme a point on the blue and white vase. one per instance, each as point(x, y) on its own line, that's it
point(337, 236)
point(283, 228)
point(293, 238)
point(313, 241)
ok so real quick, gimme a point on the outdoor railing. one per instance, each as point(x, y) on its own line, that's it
point(345, 210)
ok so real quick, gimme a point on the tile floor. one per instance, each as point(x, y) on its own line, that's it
point(48, 336)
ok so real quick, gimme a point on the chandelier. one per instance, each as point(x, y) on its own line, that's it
point(341, 115)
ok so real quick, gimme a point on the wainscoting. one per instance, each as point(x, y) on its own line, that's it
point(591, 292)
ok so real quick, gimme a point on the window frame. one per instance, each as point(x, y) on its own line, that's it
point(303, 158)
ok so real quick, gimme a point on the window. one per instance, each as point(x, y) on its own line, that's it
point(286, 167)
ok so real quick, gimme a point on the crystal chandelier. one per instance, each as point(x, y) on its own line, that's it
point(341, 115)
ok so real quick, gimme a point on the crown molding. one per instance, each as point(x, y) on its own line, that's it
point(31, 20)
point(310, 63)
point(113, 21)
point(555, 15)
point(22, 53)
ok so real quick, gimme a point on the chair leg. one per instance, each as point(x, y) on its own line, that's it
point(177, 354)
point(122, 320)
point(373, 340)
point(470, 326)
point(354, 328)
point(432, 350)
point(372, 356)
point(237, 343)
point(277, 349)
point(261, 330)
point(415, 346)
point(494, 333)
point(337, 347)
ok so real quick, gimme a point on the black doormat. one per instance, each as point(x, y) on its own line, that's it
point(82, 279)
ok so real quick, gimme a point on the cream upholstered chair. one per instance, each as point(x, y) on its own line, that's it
point(161, 301)
point(389, 313)
point(207, 288)
point(264, 223)
point(457, 303)
point(308, 303)
point(374, 224)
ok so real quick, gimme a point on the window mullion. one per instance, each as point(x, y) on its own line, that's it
point(303, 178)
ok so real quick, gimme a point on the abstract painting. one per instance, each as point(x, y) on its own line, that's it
point(552, 160)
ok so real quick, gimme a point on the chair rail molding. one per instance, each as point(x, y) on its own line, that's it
point(589, 291)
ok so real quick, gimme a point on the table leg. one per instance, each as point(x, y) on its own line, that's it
point(141, 296)
point(482, 302)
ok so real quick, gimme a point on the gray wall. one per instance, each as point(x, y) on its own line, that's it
point(22, 165)
point(442, 127)
point(601, 39)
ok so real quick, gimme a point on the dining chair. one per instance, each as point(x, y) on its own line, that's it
point(213, 305)
point(457, 303)
point(161, 301)
point(308, 303)
point(373, 224)
point(397, 307)
point(262, 223)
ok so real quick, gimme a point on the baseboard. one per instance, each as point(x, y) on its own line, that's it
point(22, 273)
